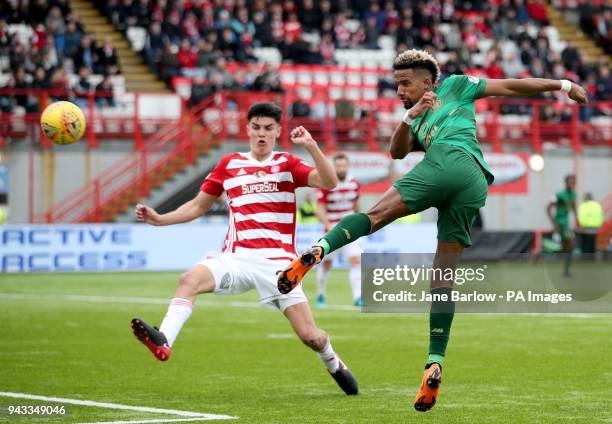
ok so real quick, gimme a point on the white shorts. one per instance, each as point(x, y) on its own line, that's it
point(347, 251)
point(236, 274)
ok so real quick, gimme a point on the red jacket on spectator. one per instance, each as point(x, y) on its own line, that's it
point(537, 11)
point(494, 71)
point(293, 29)
point(186, 58)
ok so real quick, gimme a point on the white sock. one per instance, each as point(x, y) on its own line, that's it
point(329, 358)
point(178, 312)
point(355, 279)
point(322, 275)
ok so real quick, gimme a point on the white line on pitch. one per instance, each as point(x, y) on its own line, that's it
point(117, 406)
point(161, 420)
point(143, 300)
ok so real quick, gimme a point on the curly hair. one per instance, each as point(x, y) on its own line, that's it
point(417, 59)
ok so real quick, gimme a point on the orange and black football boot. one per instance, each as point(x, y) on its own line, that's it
point(152, 338)
point(290, 277)
point(426, 398)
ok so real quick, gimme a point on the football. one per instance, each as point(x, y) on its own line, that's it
point(63, 122)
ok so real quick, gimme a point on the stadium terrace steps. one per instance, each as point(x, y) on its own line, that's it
point(138, 76)
point(165, 185)
point(569, 32)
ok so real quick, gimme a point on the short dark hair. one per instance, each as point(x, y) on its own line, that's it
point(339, 156)
point(569, 177)
point(417, 59)
point(265, 109)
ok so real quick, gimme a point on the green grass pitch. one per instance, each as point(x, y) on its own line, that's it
point(68, 336)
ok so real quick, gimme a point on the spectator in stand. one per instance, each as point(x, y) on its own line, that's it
point(604, 84)
point(263, 31)
point(154, 45)
point(107, 57)
point(190, 28)
point(392, 18)
point(72, 39)
point(169, 66)
point(28, 102)
point(86, 54)
point(453, 65)
point(40, 79)
point(309, 16)
point(494, 70)
point(200, 91)
point(83, 87)
point(229, 45)
point(55, 18)
point(243, 28)
point(571, 57)
point(171, 27)
point(378, 15)
point(38, 11)
point(104, 93)
point(387, 86)
point(126, 14)
point(537, 12)
point(8, 102)
point(512, 66)
point(372, 33)
point(143, 13)
point(187, 59)
point(327, 49)
point(342, 33)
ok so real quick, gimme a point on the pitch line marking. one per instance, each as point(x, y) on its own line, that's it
point(162, 420)
point(194, 416)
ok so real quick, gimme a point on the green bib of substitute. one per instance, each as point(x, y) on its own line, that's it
point(452, 119)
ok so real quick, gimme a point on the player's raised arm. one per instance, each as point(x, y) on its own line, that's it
point(189, 211)
point(324, 176)
point(531, 86)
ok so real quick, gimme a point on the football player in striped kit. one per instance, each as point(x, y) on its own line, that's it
point(332, 206)
point(259, 187)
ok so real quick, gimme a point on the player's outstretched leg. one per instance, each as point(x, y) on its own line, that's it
point(303, 324)
point(290, 277)
point(346, 231)
point(426, 398)
point(152, 338)
point(198, 279)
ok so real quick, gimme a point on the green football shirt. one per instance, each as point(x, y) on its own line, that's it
point(564, 201)
point(452, 119)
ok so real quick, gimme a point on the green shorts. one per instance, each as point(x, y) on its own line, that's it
point(449, 179)
point(564, 229)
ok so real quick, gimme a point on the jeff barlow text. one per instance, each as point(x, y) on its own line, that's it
point(471, 297)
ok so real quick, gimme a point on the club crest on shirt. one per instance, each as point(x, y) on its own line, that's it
point(437, 104)
point(275, 169)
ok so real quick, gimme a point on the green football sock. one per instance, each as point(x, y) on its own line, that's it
point(440, 320)
point(346, 231)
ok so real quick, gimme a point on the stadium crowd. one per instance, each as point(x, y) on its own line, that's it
point(53, 46)
point(198, 38)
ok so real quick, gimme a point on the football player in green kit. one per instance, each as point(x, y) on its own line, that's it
point(453, 177)
point(564, 202)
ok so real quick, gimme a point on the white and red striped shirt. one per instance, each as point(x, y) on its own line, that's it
point(261, 200)
point(340, 201)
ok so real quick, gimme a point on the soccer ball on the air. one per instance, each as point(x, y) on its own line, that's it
point(63, 122)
